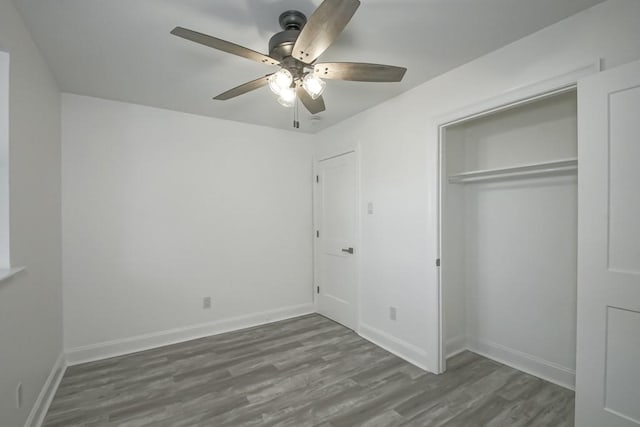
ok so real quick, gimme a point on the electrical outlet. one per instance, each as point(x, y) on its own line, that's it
point(206, 302)
point(370, 208)
point(392, 313)
point(19, 395)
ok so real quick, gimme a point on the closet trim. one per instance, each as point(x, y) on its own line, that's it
point(558, 84)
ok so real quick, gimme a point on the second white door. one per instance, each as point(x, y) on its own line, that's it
point(336, 251)
point(608, 347)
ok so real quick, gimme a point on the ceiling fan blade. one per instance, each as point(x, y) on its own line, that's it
point(314, 106)
point(223, 45)
point(322, 28)
point(359, 72)
point(244, 88)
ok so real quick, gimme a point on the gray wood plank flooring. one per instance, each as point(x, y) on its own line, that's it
point(308, 371)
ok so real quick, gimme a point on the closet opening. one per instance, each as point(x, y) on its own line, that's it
point(508, 236)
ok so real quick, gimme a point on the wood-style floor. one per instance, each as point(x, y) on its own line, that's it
point(307, 371)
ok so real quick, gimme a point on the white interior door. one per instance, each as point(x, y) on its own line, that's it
point(608, 346)
point(336, 272)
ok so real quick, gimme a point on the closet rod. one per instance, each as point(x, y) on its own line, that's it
point(535, 169)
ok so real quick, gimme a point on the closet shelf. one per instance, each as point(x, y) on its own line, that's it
point(523, 171)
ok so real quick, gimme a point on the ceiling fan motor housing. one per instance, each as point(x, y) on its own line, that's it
point(281, 44)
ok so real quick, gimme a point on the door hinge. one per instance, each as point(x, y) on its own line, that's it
point(317, 233)
point(317, 289)
point(438, 262)
point(317, 178)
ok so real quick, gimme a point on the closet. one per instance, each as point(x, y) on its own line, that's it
point(509, 236)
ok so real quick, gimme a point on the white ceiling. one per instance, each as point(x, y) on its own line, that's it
point(122, 50)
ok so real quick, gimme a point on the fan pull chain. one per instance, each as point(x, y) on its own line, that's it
point(296, 123)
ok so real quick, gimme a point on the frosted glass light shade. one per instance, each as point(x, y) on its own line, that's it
point(287, 97)
point(313, 85)
point(280, 81)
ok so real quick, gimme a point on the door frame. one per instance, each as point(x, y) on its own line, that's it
point(358, 227)
point(555, 85)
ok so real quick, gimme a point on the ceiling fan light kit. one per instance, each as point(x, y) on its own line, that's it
point(287, 97)
point(295, 50)
point(314, 85)
point(280, 81)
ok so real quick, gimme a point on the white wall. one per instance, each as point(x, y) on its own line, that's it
point(161, 209)
point(521, 266)
point(398, 141)
point(30, 302)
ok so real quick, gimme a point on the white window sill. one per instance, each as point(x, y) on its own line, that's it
point(5, 273)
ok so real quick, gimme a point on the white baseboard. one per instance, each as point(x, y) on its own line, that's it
point(455, 345)
point(134, 344)
point(407, 351)
point(525, 362)
point(41, 405)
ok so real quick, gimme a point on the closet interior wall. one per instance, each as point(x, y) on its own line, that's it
point(509, 238)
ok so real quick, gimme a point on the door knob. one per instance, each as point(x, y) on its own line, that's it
point(348, 250)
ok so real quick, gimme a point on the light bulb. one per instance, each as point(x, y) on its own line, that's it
point(280, 81)
point(313, 85)
point(287, 97)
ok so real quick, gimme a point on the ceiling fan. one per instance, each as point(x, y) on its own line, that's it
point(295, 50)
